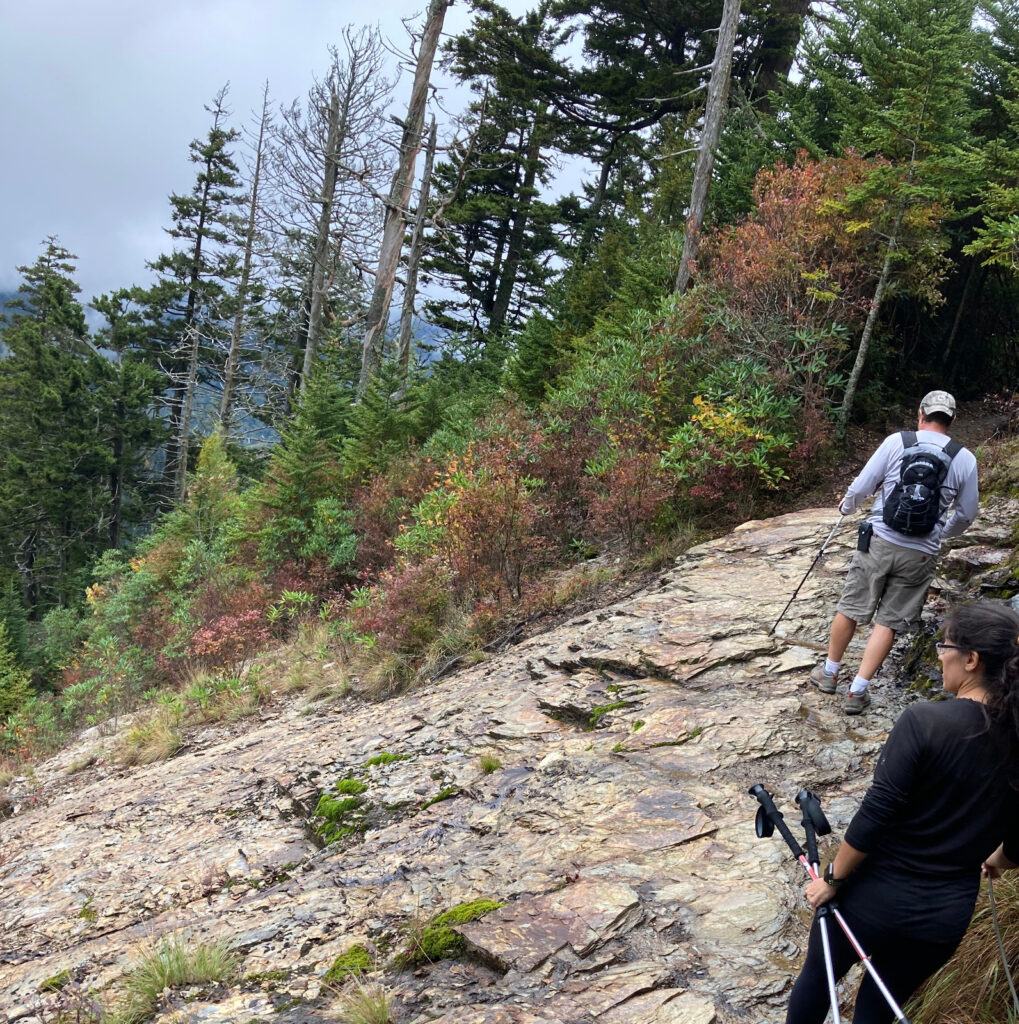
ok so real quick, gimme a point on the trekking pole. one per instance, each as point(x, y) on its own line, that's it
point(768, 819)
point(816, 824)
point(817, 558)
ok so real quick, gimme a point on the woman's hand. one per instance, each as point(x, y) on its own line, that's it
point(996, 863)
point(819, 892)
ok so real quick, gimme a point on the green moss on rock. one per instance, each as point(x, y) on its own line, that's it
point(444, 794)
point(385, 758)
point(354, 961)
point(57, 982)
point(439, 940)
point(598, 713)
point(350, 787)
point(344, 814)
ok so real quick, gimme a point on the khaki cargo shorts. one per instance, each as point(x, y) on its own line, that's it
point(889, 584)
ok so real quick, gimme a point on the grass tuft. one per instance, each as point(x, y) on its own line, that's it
point(155, 739)
point(365, 1002)
point(489, 763)
point(173, 963)
point(971, 988)
point(389, 675)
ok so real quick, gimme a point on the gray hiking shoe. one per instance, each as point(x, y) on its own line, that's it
point(857, 703)
point(824, 681)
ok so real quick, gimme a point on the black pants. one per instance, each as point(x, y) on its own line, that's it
point(902, 962)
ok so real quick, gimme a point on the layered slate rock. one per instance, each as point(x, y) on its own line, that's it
point(617, 833)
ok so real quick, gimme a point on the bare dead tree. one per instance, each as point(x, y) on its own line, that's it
point(399, 196)
point(243, 287)
point(414, 256)
point(325, 164)
point(714, 116)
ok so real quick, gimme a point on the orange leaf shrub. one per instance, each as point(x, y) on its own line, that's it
point(807, 254)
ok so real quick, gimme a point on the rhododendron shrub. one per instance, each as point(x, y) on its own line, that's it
point(738, 439)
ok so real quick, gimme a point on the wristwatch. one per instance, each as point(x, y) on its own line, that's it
point(830, 879)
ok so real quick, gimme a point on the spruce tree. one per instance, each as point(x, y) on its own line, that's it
point(189, 309)
point(495, 236)
point(53, 463)
point(15, 687)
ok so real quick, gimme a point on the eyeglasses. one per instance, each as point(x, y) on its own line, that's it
point(950, 647)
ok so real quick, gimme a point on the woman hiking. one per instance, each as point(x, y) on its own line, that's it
point(943, 805)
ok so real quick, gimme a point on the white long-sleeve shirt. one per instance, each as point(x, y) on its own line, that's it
point(958, 493)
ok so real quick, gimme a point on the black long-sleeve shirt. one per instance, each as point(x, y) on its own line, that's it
point(940, 804)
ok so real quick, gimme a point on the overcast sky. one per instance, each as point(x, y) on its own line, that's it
point(100, 98)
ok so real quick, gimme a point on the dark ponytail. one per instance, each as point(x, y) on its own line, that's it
point(991, 629)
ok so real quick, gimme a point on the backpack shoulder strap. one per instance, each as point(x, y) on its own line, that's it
point(908, 438)
point(952, 449)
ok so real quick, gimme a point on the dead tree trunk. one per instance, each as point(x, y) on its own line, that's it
point(714, 115)
point(399, 197)
point(190, 387)
point(237, 332)
point(322, 231)
point(868, 327)
point(957, 320)
point(414, 258)
point(894, 241)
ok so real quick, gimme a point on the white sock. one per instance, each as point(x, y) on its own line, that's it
point(859, 684)
point(831, 667)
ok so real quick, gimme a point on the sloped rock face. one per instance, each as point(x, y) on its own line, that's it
point(617, 833)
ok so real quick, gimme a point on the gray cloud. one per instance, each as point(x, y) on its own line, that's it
point(101, 98)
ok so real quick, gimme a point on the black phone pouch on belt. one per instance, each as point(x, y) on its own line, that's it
point(863, 536)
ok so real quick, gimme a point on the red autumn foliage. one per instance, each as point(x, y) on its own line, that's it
point(384, 504)
point(627, 497)
point(491, 539)
point(228, 640)
point(407, 608)
point(797, 257)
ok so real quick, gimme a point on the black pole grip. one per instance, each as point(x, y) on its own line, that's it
point(775, 817)
point(810, 808)
point(811, 840)
point(810, 805)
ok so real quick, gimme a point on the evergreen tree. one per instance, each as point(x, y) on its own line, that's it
point(997, 239)
point(15, 687)
point(54, 463)
point(495, 239)
point(188, 310)
point(897, 74)
point(305, 466)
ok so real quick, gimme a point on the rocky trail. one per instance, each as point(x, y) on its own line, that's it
point(616, 828)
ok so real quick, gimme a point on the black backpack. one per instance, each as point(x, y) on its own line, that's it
point(914, 505)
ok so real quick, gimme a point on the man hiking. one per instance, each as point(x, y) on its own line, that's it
point(918, 477)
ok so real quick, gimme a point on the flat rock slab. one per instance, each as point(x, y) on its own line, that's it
point(617, 829)
point(581, 917)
